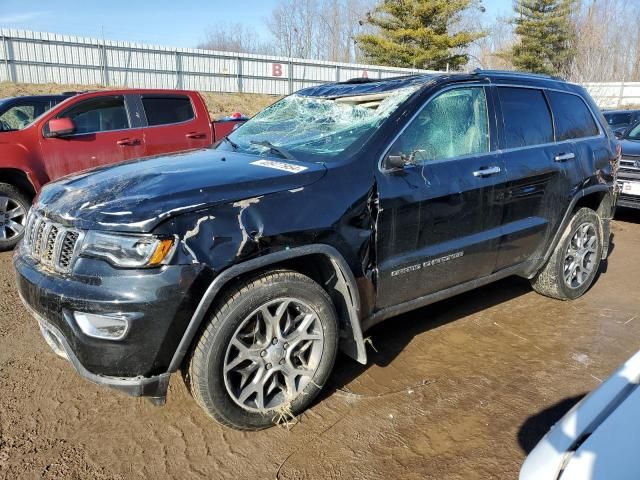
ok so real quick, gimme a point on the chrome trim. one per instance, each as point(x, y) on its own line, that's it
point(564, 156)
point(485, 172)
point(38, 251)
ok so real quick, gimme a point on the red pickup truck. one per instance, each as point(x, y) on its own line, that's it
point(92, 129)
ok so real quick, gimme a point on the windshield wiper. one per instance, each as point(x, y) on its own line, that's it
point(279, 150)
point(233, 144)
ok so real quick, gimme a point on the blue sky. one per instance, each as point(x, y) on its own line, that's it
point(165, 22)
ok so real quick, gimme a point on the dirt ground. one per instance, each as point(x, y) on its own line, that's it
point(459, 390)
point(219, 104)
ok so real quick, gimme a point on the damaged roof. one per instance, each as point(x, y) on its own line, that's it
point(366, 86)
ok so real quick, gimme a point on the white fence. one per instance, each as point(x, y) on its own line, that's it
point(36, 57)
point(615, 94)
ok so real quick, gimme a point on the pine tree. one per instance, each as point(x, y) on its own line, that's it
point(546, 35)
point(418, 34)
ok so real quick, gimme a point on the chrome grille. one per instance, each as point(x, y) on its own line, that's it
point(50, 243)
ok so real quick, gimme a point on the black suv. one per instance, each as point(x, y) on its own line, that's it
point(250, 264)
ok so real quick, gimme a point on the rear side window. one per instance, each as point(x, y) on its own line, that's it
point(167, 110)
point(100, 114)
point(573, 118)
point(527, 120)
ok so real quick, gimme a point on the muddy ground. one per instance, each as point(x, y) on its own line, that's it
point(459, 390)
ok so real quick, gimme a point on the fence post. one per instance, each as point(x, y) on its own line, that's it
point(337, 73)
point(239, 72)
point(178, 70)
point(5, 43)
point(105, 73)
point(290, 77)
point(621, 96)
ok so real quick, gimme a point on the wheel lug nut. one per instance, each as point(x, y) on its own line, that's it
point(269, 366)
point(282, 362)
point(263, 353)
point(286, 345)
point(274, 341)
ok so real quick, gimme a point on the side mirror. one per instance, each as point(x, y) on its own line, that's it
point(396, 161)
point(619, 134)
point(60, 127)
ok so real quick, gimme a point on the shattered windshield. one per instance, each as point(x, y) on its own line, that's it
point(300, 126)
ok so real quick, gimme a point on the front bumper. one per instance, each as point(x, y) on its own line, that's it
point(163, 301)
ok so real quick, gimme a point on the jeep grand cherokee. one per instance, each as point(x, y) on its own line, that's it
point(247, 266)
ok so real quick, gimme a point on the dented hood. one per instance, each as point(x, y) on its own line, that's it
point(137, 196)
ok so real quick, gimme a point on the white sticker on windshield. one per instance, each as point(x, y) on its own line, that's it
point(287, 167)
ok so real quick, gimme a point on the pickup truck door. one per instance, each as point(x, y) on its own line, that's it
point(105, 133)
point(174, 123)
point(439, 218)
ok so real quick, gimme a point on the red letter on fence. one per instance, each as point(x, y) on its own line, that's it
point(276, 69)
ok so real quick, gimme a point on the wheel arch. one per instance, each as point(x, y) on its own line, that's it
point(599, 198)
point(322, 263)
point(18, 178)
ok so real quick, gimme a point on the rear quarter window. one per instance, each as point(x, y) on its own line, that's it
point(167, 110)
point(573, 117)
point(527, 120)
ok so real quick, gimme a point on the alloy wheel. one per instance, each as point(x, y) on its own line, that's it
point(273, 355)
point(581, 256)
point(12, 218)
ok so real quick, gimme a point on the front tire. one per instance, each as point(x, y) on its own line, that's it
point(574, 263)
point(14, 206)
point(266, 352)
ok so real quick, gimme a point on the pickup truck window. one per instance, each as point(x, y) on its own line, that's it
point(20, 115)
point(525, 103)
point(453, 124)
point(310, 126)
point(573, 118)
point(167, 110)
point(99, 114)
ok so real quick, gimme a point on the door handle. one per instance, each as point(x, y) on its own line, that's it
point(128, 142)
point(196, 135)
point(563, 157)
point(484, 172)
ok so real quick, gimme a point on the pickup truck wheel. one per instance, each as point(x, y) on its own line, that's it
point(266, 352)
point(575, 262)
point(14, 206)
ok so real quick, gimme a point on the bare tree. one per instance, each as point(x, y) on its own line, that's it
point(234, 38)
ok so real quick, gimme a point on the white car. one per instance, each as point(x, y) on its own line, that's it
point(599, 439)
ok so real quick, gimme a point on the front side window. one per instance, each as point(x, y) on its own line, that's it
point(527, 120)
point(167, 110)
point(453, 124)
point(314, 127)
point(100, 114)
point(573, 118)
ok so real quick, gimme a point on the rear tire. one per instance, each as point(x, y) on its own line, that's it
point(574, 263)
point(266, 352)
point(14, 206)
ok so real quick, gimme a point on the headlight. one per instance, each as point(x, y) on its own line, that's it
point(127, 251)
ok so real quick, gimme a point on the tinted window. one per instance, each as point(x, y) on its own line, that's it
point(20, 115)
point(573, 118)
point(454, 124)
point(165, 110)
point(614, 119)
point(527, 120)
point(98, 115)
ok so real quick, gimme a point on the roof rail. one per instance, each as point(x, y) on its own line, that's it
point(480, 71)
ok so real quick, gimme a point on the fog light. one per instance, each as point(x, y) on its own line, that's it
point(106, 327)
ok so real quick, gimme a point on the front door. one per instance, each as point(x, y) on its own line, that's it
point(439, 217)
point(103, 136)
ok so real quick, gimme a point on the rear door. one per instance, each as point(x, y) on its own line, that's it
point(105, 133)
point(543, 170)
point(439, 219)
point(174, 124)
